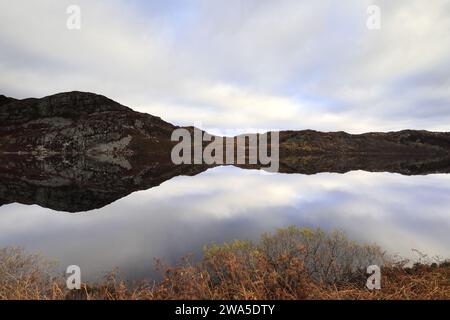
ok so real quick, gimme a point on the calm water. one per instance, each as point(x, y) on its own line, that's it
point(184, 213)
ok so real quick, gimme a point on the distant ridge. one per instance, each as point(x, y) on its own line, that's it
point(81, 122)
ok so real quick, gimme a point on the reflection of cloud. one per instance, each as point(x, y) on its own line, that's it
point(239, 64)
point(221, 204)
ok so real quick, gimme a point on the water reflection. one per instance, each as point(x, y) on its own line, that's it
point(220, 204)
point(83, 183)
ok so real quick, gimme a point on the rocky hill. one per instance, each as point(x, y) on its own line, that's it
point(77, 122)
point(87, 123)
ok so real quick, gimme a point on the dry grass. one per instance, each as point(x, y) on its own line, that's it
point(290, 264)
point(421, 282)
point(27, 276)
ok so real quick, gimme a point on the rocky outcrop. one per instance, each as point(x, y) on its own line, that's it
point(78, 123)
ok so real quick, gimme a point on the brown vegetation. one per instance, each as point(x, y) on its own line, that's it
point(290, 264)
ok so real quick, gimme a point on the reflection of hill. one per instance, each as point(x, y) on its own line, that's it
point(83, 183)
point(406, 165)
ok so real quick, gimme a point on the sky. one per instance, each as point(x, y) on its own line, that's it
point(240, 65)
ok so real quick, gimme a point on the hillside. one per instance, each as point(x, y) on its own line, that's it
point(86, 123)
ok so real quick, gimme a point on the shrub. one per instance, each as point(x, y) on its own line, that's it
point(327, 258)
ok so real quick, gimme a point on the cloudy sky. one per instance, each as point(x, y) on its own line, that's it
point(240, 64)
